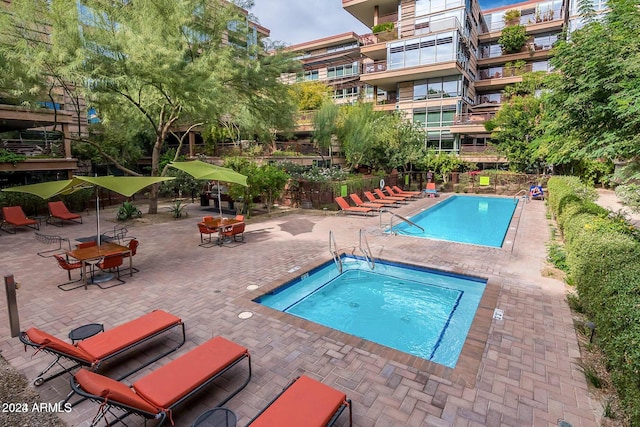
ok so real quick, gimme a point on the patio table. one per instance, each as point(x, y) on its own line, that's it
point(93, 253)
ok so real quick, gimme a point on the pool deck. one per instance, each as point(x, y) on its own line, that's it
point(521, 370)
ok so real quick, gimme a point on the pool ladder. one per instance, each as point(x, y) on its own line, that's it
point(400, 217)
point(364, 249)
point(522, 193)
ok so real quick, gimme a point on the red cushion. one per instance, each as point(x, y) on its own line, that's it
point(166, 385)
point(113, 340)
point(306, 403)
point(112, 390)
point(49, 341)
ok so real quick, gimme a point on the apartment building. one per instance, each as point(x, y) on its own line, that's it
point(43, 131)
point(440, 64)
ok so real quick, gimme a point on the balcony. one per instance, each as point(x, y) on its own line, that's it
point(471, 123)
point(365, 10)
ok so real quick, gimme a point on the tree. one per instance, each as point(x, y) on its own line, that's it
point(516, 127)
point(594, 103)
point(168, 63)
point(357, 134)
point(310, 95)
point(325, 126)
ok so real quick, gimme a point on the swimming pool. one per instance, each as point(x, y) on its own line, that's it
point(415, 310)
point(476, 220)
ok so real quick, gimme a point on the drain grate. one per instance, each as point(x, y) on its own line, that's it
point(498, 314)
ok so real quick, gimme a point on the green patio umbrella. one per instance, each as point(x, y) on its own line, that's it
point(44, 190)
point(125, 185)
point(202, 170)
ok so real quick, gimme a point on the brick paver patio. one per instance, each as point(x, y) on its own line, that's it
point(518, 371)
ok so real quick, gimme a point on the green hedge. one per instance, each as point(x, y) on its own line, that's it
point(603, 255)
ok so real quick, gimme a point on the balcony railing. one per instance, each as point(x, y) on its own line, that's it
point(375, 67)
point(472, 118)
point(501, 72)
point(34, 148)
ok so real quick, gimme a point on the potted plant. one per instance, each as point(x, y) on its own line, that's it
point(385, 31)
point(512, 17)
point(513, 39)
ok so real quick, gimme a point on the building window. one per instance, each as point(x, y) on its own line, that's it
point(422, 51)
point(438, 87)
point(347, 92)
point(342, 71)
point(311, 75)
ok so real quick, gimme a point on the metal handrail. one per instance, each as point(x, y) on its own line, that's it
point(366, 251)
point(523, 192)
point(393, 214)
point(333, 248)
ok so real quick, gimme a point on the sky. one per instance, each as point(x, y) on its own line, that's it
point(298, 21)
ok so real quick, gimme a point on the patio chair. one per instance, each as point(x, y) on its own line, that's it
point(233, 231)
point(68, 266)
point(156, 395)
point(344, 207)
point(206, 231)
point(383, 196)
point(373, 205)
point(401, 191)
point(207, 218)
point(108, 263)
point(52, 240)
point(58, 210)
point(431, 190)
point(133, 247)
point(304, 402)
point(369, 195)
point(14, 215)
point(100, 349)
point(119, 233)
point(394, 193)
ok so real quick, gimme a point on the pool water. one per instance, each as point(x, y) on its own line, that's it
point(475, 220)
point(418, 311)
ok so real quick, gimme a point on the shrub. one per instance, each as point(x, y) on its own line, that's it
point(386, 26)
point(511, 15)
point(603, 257)
point(128, 210)
point(513, 38)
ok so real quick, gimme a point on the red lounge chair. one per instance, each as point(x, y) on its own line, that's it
point(373, 205)
point(401, 191)
point(14, 215)
point(101, 348)
point(431, 190)
point(394, 193)
point(155, 395)
point(58, 210)
point(383, 196)
point(344, 207)
point(369, 195)
point(304, 402)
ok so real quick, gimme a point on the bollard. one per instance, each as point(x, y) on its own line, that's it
point(10, 287)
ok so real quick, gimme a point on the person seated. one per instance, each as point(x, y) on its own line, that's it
point(535, 192)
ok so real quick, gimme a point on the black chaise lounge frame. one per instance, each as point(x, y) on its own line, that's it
point(155, 395)
point(163, 321)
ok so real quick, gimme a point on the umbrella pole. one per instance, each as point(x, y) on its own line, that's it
point(98, 215)
point(219, 199)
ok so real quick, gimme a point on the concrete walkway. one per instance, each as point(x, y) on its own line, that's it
point(518, 371)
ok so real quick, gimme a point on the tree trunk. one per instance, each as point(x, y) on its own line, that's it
point(155, 166)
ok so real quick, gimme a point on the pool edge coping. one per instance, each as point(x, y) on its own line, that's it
point(466, 370)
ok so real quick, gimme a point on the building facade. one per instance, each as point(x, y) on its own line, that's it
point(439, 62)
